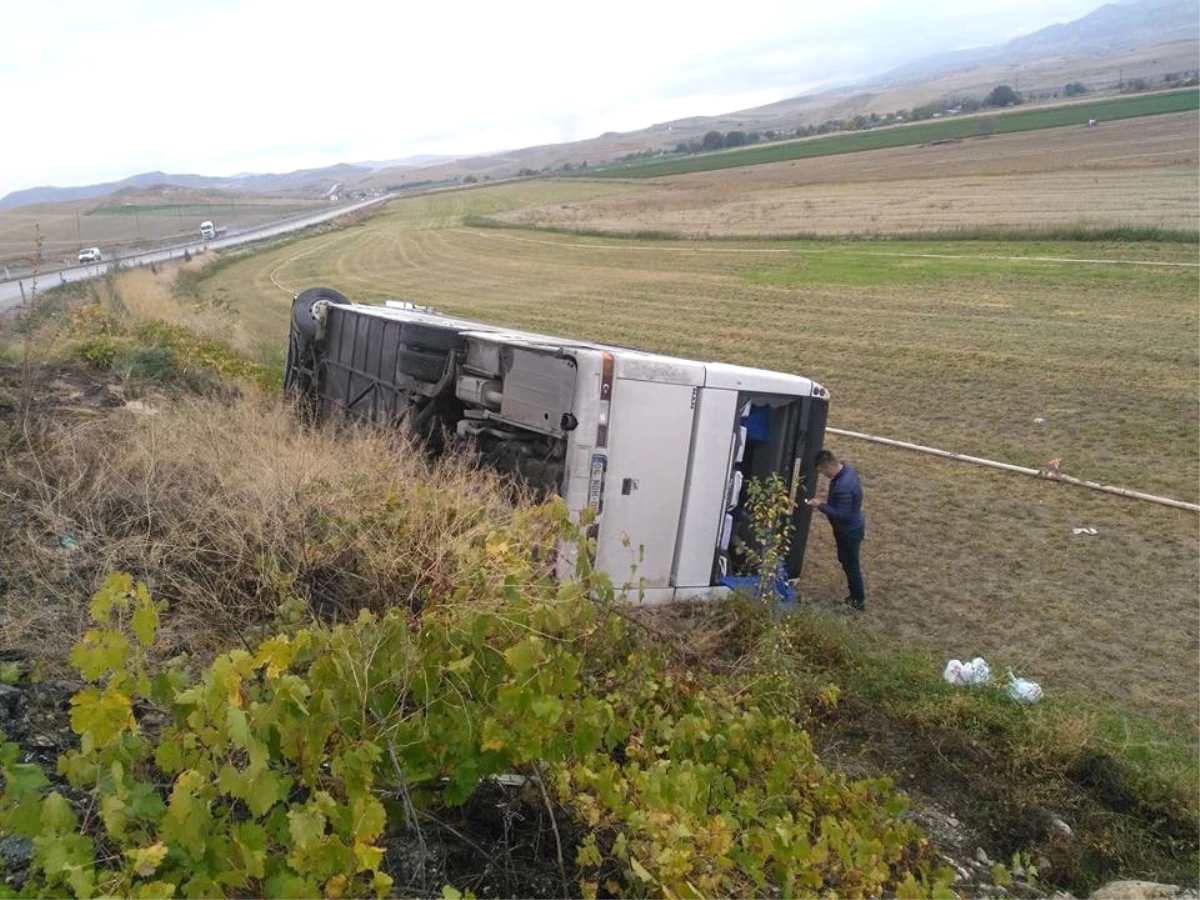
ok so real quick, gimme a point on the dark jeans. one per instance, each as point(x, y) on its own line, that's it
point(848, 545)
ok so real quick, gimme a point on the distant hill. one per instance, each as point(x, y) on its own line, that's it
point(1112, 28)
point(409, 162)
point(301, 183)
point(1119, 41)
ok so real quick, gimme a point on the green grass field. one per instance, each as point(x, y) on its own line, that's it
point(908, 135)
point(956, 345)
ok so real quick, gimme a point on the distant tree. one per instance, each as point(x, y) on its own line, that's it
point(753, 137)
point(970, 104)
point(470, 179)
point(1075, 88)
point(583, 165)
point(1169, 77)
point(714, 140)
point(770, 134)
point(681, 147)
point(1137, 84)
point(735, 139)
point(1002, 95)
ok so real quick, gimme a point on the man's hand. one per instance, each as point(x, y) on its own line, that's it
point(814, 503)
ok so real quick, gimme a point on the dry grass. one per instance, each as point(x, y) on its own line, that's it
point(229, 511)
point(1140, 172)
point(956, 345)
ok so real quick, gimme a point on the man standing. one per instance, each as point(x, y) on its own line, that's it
point(843, 508)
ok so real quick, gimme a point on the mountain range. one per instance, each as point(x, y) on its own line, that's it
point(1135, 38)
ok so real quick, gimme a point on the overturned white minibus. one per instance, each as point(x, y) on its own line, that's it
point(661, 448)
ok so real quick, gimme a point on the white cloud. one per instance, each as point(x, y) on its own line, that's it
point(102, 90)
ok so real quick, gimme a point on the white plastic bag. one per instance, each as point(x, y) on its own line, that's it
point(1023, 689)
point(954, 672)
point(974, 672)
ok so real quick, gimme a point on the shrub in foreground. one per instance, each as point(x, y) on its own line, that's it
point(280, 769)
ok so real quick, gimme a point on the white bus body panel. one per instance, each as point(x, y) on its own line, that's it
point(654, 459)
point(708, 477)
point(649, 444)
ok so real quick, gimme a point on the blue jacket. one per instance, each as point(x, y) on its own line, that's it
point(843, 505)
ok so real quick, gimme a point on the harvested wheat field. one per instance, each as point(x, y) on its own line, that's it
point(1133, 172)
point(961, 345)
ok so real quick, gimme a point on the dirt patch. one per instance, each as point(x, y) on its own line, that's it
point(58, 390)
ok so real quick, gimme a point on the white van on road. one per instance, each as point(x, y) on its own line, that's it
point(90, 255)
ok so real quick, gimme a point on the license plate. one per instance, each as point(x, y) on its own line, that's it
point(596, 481)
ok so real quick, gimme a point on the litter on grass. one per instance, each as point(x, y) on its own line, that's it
point(976, 671)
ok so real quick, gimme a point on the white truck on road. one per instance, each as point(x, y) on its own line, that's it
point(209, 231)
point(661, 449)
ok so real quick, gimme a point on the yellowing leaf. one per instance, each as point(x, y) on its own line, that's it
point(250, 838)
point(461, 665)
point(494, 736)
point(100, 652)
point(233, 689)
point(146, 860)
point(307, 826)
point(57, 815)
point(370, 818)
point(368, 857)
point(276, 654)
point(523, 656)
point(145, 619)
point(101, 715)
point(639, 870)
point(335, 887)
point(238, 727)
point(114, 593)
point(114, 814)
point(155, 890)
point(265, 789)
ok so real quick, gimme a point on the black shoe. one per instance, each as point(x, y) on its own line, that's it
point(856, 605)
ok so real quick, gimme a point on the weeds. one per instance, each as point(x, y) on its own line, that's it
point(230, 512)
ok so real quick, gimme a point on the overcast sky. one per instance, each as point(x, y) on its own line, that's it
point(101, 90)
